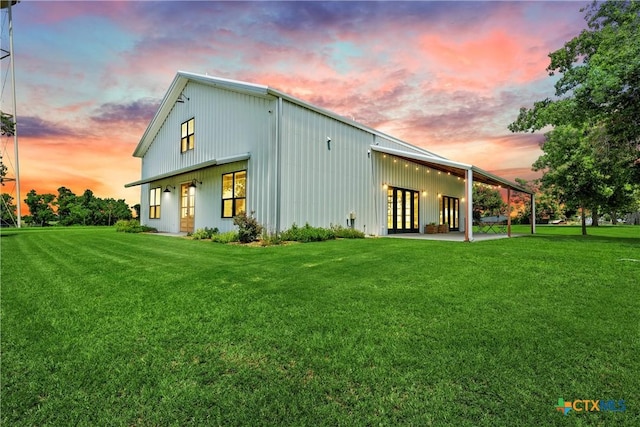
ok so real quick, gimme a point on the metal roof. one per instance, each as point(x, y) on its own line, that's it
point(418, 154)
point(182, 78)
point(198, 166)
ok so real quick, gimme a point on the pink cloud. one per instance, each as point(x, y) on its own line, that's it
point(482, 63)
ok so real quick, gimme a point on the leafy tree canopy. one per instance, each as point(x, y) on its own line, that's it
point(7, 126)
point(71, 209)
point(487, 201)
point(600, 82)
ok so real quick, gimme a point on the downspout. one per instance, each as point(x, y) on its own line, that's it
point(278, 163)
point(376, 189)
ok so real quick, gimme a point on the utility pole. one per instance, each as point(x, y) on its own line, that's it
point(7, 4)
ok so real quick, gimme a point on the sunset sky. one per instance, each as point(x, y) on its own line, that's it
point(447, 76)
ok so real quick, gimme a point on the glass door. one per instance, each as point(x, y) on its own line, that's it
point(449, 212)
point(402, 211)
point(187, 207)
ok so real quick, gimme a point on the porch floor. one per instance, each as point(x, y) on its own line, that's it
point(455, 236)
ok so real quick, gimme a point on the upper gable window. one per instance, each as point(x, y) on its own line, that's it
point(187, 135)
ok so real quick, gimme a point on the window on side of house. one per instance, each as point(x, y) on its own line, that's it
point(234, 193)
point(187, 135)
point(154, 203)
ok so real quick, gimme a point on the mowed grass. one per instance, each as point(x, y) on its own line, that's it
point(105, 328)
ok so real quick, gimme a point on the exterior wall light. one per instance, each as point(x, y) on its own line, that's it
point(167, 189)
point(385, 186)
point(194, 182)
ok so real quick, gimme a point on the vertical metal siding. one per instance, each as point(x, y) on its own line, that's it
point(226, 123)
point(321, 183)
point(396, 172)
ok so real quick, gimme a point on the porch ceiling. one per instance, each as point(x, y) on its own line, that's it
point(451, 167)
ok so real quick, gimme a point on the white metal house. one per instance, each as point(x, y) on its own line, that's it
point(217, 147)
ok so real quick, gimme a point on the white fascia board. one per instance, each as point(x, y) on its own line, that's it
point(198, 166)
point(166, 105)
point(233, 85)
point(421, 157)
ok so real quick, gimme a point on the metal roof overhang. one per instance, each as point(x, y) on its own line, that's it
point(454, 168)
point(198, 166)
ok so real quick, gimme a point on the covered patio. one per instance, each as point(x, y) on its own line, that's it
point(456, 236)
point(470, 174)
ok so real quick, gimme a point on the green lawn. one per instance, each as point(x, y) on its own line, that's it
point(106, 328)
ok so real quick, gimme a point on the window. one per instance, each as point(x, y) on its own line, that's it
point(187, 135)
point(234, 193)
point(154, 203)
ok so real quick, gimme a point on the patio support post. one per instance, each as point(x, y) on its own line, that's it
point(468, 194)
point(508, 212)
point(533, 214)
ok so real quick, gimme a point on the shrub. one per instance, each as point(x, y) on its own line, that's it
point(204, 233)
point(347, 233)
point(270, 239)
point(248, 227)
point(307, 234)
point(228, 237)
point(132, 226)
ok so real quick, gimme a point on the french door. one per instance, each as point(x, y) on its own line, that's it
point(449, 212)
point(402, 211)
point(187, 207)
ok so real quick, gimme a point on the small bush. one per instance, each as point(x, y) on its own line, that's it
point(132, 226)
point(270, 239)
point(204, 233)
point(347, 233)
point(307, 234)
point(228, 237)
point(248, 227)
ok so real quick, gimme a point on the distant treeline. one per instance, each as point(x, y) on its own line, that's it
point(67, 208)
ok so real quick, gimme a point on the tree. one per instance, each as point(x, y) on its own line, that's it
point(547, 206)
point(65, 202)
point(7, 125)
point(40, 207)
point(600, 81)
point(7, 210)
point(3, 171)
point(596, 111)
point(487, 201)
point(570, 169)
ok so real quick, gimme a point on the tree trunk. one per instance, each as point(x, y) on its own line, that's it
point(584, 223)
point(595, 217)
point(614, 218)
